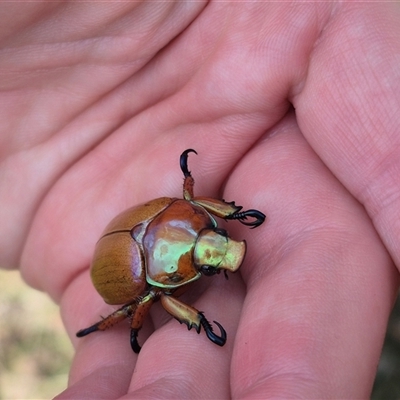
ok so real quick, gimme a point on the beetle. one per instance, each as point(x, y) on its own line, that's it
point(149, 251)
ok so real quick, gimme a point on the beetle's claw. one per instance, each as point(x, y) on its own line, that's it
point(219, 340)
point(242, 217)
point(84, 332)
point(134, 342)
point(183, 162)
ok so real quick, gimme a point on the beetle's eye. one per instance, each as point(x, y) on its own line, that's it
point(221, 232)
point(209, 270)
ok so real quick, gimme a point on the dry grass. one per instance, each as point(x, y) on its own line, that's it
point(35, 351)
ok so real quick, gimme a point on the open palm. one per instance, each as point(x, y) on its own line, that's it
point(293, 110)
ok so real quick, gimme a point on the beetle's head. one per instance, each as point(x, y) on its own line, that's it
point(216, 251)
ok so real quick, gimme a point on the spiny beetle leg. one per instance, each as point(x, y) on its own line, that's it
point(134, 342)
point(106, 323)
point(192, 318)
point(243, 215)
point(188, 183)
point(219, 340)
point(143, 306)
point(183, 162)
point(86, 331)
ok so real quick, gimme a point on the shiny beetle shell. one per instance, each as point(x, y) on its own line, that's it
point(149, 251)
point(141, 245)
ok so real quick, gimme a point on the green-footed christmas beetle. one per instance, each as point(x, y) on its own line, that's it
point(149, 251)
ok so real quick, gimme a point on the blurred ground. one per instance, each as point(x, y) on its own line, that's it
point(35, 351)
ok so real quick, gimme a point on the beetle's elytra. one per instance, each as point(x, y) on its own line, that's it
point(149, 251)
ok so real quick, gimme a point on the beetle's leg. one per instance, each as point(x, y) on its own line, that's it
point(188, 183)
point(225, 210)
point(136, 311)
point(106, 323)
point(142, 308)
point(219, 340)
point(243, 215)
point(192, 318)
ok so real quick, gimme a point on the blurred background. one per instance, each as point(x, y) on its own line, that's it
point(35, 351)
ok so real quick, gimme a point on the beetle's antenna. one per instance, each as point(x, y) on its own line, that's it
point(188, 183)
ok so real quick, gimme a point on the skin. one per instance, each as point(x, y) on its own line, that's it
point(97, 104)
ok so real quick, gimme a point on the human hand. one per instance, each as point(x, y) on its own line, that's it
point(98, 104)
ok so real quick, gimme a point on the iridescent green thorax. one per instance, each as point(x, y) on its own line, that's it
point(169, 244)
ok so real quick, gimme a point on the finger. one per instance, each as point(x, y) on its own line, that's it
point(101, 383)
point(320, 283)
point(90, 363)
point(117, 173)
point(70, 64)
point(172, 361)
point(175, 362)
point(103, 362)
point(348, 110)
